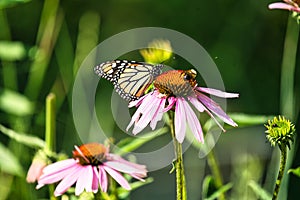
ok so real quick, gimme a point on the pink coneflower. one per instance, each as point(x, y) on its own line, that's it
point(288, 5)
point(178, 88)
point(88, 169)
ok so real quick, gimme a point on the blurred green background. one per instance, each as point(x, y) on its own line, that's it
point(42, 44)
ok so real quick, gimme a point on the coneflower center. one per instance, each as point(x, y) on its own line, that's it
point(90, 154)
point(176, 82)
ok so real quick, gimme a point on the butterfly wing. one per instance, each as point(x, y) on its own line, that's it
point(130, 78)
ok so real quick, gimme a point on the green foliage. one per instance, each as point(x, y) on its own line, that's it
point(208, 189)
point(123, 194)
point(15, 103)
point(9, 163)
point(9, 3)
point(130, 144)
point(31, 141)
point(259, 191)
point(12, 51)
point(295, 171)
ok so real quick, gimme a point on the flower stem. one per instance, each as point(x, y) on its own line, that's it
point(179, 167)
point(214, 167)
point(287, 98)
point(283, 157)
point(50, 132)
point(287, 95)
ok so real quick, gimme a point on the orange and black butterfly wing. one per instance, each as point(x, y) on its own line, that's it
point(130, 78)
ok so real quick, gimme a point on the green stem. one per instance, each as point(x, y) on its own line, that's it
point(179, 167)
point(50, 132)
point(287, 96)
point(283, 157)
point(49, 27)
point(216, 172)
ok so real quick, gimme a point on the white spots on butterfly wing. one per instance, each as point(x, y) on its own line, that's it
point(130, 78)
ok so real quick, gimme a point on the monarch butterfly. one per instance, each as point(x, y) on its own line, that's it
point(130, 78)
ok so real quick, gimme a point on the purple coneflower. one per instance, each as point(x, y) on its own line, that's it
point(178, 88)
point(288, 5)
point(88, 169)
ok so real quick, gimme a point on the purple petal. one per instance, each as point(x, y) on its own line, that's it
point(158, 114)
point(199, 106)
point(217, 93)
point(284, 6)
point(55, 176)
point(193, 122)
point(95, 184)
point(147, 115)
point(215, 108)
point(59, 166)
point(144, 107)
point(137, 102)
point(68, 181)
point(120, 159)
point(103, 179)
point(180, 120)
point(171, 101)
point(125, 168)
point(118, 177)
point(85, 180)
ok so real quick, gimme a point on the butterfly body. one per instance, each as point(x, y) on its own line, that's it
point(130, 78)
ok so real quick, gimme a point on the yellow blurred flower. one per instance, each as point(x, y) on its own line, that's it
point(158, 51)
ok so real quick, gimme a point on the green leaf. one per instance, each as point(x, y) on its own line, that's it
point(6, 181)
point(9, 163)
point(206, 185)
point(241, 119)
point(11, 51)
point(15, 103)
point(295, 171)
point(259, 191)
point(220, 191)
point(131, 144)
point(9, 3)
point(245, 119)
point(123, 193)
point(23, 138)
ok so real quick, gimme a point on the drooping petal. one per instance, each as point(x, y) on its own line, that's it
point(193, 122)
point(215, 108)
point(103, 179)
point(284, 6)
point(198, 105)
point(125, 168)
point(85, 180)
point(120, 159)
point(95, 184)
point(68, 181)
point(147, 115)
point(180, 120)
point(118, 177)
point(137, 102)
point(143, 108)
point(217, 93)
point(158, 114)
